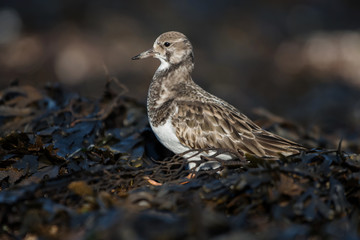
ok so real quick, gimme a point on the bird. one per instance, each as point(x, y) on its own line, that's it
point(185, 117)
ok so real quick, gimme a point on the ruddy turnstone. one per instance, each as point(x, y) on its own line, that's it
point(184, 116)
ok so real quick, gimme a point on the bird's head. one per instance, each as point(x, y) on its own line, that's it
point(171, 48)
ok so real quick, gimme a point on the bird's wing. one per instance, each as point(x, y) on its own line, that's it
point(201, 126)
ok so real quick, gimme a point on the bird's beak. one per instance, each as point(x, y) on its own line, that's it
point(146, 54)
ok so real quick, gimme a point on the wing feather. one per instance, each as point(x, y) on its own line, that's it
point(200, 126)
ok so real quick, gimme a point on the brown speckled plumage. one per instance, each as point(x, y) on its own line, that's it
point(201, 120)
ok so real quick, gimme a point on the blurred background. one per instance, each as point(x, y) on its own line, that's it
point(297, 59)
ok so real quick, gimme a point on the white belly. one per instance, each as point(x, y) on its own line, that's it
point(167, 136)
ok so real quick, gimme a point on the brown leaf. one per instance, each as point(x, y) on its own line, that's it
point(81, 188)
point(287, 186)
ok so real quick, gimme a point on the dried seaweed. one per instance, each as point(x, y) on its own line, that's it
point(75, 168)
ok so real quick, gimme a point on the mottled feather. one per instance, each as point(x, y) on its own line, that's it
point(214, 127)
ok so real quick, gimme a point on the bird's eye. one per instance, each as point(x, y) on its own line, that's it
point(166, 44)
